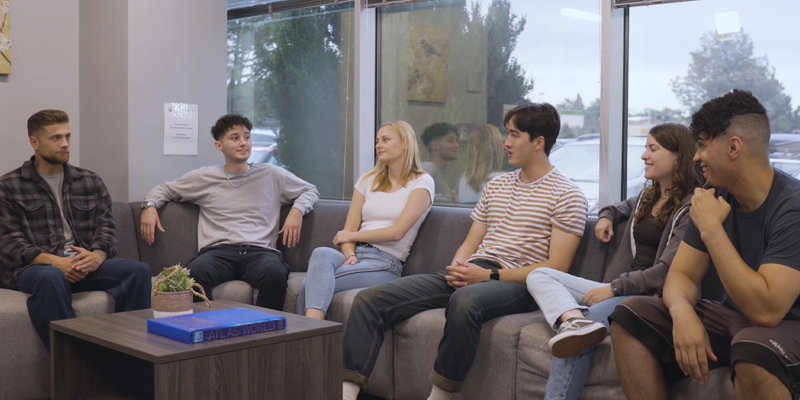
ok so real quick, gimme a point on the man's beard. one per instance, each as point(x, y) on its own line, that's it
point(55, 159)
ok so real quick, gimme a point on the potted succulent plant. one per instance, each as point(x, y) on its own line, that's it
point(173, 290)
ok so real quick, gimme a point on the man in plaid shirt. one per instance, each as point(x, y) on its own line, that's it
point(57, 236)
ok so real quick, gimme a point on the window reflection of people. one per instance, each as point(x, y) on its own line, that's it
point(388, 206)
point(441, 140)
point(485, 153)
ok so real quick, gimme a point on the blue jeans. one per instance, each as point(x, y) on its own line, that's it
point(557, 292)
point(260, 267)
point(127, 281)
point(326, 274)
point(379, 308)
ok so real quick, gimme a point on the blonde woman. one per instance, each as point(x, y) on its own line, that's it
point(389, 204)
point(485, 152)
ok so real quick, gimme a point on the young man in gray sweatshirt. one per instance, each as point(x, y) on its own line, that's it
point(240, 203)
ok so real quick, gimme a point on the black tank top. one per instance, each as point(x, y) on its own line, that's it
point(646, 235)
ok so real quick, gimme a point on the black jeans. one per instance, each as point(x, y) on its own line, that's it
point(261, 268)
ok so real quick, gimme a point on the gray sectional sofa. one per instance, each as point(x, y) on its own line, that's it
point(512, 361)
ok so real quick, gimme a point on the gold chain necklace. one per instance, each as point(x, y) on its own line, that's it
point(243, 181)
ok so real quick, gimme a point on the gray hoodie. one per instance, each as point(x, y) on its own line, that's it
point(626, 281)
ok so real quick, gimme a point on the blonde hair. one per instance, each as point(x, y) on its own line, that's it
point(484, 155)
point(412, 167)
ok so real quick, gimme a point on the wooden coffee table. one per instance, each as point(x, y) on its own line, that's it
point(113, 356)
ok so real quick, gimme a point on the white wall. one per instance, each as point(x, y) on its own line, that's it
point(44, 35)
point(111, 65)
point(104, 92)
point(176, 52)
point(136, 55)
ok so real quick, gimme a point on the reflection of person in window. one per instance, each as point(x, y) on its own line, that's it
point(441, 140)
point(485, 154)
point(388, 206)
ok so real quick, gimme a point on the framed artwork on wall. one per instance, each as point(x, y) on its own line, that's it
point(428, 50)
point(5, 36)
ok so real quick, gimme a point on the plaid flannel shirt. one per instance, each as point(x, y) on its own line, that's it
point(30, 221)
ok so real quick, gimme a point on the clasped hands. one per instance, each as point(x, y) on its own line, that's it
point(78, 266)
point(460, 274)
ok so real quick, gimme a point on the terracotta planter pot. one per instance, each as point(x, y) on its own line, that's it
point(166, 304)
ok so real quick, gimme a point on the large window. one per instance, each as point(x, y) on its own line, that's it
point(683, 54)
point(458, 65)
point(464, 63)
point(291, 73)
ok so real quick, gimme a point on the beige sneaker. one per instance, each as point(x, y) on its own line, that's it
point(576, 335)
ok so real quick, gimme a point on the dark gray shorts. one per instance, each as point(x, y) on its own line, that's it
point(732, 337)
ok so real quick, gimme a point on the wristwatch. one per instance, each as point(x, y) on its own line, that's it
point(494, 275)
point(146, 204)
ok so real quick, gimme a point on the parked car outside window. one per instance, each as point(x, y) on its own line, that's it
point(263, 146)
point(579, 160)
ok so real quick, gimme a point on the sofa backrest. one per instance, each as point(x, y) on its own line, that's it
point(592, 255)
point(178, 242)
point(438, 239)
point(443, 230)
point(125, 224)
point(319, 227)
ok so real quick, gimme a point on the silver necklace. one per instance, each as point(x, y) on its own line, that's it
point(243, 181)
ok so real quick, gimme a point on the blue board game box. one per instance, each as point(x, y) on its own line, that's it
point(213, 325)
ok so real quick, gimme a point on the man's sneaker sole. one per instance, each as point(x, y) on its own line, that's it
point(570, 344)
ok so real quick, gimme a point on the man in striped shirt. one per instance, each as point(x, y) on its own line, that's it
point(528, 218)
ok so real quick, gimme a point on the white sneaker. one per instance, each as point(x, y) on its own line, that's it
point(576, 335)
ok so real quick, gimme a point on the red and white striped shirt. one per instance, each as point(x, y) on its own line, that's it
point(520, 217)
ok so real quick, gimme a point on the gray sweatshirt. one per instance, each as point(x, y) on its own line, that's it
point(650, 281)
point(248, 214)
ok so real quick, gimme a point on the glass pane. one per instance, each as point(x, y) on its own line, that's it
point(719, 45)
point(465, 63)
point(291, 74)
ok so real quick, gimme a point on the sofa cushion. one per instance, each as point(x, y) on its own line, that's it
point(534, 366)
point(718, 386)
point(25, 364)
point(416, 341)
point(239, 291)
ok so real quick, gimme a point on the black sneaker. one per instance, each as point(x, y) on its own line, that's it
point(576, 335)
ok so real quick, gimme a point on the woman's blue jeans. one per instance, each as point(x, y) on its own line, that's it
point(326, 274)
point(557, 292)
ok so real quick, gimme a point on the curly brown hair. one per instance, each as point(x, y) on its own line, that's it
point(677, 139)
point(714, 117)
